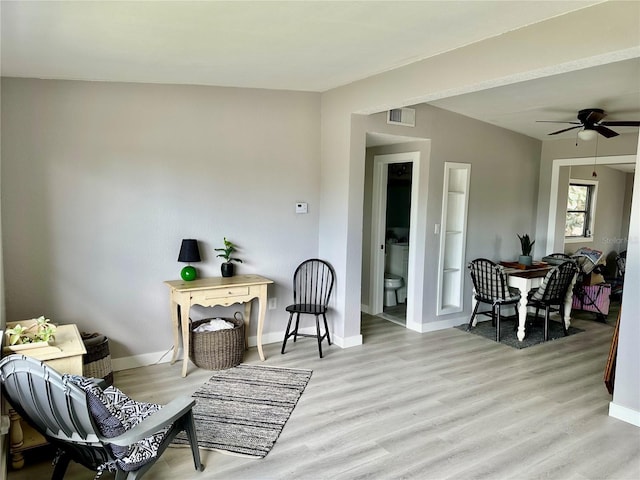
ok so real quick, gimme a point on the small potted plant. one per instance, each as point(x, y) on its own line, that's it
point(227, 267)
point(527, 246)
point(35, 333)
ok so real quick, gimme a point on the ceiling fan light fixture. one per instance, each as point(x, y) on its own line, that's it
point(587, 134)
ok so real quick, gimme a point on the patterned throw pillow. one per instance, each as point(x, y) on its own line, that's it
point(538, 294)
point(114, 413)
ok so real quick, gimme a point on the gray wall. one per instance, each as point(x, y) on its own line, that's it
point(101, 181)
point(503, 190)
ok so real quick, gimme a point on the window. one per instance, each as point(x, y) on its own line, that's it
point(581, 201)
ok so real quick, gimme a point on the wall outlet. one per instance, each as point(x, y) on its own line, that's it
point(273, 303)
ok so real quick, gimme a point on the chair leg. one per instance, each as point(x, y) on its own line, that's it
point(496, 312)
point(61, 464)
point(318, 335)
point(326, 328)
point(286, 333)
point(546, 323)
point(564, 326)
point(190, 429)
point(473, 315)
point(295, 332)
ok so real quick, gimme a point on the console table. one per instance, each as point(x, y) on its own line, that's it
point(65, 356)
point(210, 292)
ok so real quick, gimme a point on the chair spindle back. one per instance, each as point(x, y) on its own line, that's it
point(313, 283)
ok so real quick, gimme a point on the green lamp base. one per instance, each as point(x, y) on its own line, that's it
point(188, 273)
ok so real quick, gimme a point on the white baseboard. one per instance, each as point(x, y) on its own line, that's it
point(347, 342)
point(145, 359)
point(625, 414)
point(442, 324)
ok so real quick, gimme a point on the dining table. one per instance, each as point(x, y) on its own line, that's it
point(531, 277)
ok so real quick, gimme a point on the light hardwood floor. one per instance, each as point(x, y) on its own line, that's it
point(440, 405)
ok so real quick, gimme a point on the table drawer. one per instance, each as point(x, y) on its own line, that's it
point(225, 292)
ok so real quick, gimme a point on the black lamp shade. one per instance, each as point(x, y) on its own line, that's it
point(189, 251)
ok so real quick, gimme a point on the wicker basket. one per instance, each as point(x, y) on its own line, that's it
point(97, 360)
point(220, 349)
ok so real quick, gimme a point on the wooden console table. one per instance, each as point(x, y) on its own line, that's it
point(210, 292)
point(65, 356)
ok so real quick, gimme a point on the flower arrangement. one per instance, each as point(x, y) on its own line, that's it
point(40, 330)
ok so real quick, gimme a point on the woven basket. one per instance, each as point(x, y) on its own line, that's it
point(220, 349)
point(97, 360)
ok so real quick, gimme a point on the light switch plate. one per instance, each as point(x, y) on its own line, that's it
point(301, 207)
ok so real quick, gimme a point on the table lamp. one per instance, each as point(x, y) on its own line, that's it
point(189, 253)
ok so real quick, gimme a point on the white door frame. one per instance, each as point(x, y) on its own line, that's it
point(552, 246)
point(378, 230)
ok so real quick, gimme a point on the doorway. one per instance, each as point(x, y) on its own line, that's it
point(557, 202)
point(394, 219)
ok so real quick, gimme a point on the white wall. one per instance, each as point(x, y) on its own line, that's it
point(626, 401)
point(101, 181)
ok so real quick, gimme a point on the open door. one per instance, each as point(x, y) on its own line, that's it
point(378, 232)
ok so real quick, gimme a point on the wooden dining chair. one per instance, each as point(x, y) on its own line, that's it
point(490, 287)
point(551, 294)
point(312, 286)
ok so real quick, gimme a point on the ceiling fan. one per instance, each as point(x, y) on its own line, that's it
point(591, 121)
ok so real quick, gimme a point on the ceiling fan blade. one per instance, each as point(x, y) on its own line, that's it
point(565, 130)
point(555, 121)
point(607, 132)
point(621, 123)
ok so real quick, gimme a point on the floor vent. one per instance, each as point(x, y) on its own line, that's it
point(402, 116)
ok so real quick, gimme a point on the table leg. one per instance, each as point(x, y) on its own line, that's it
point(568, 302)
point(16, 437)
point(262, 309)
point(175, 321)
point(522, 315)
point(186, 337)
point(247, 318)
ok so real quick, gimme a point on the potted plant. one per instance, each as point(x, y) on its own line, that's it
point(527, 245)
point(227, 267)
point(34, 333)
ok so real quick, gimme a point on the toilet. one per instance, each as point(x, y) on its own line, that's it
point(391, 285)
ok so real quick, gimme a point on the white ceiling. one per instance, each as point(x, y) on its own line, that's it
point(301, 45)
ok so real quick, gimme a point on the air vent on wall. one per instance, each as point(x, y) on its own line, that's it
point(402, 116)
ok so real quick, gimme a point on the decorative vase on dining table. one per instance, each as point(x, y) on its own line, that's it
point(526, 260)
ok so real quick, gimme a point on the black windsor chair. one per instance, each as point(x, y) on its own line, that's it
point(312, 285)
point(490, 287)
point(552, 293)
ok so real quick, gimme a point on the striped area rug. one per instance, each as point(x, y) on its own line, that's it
point(242, 410)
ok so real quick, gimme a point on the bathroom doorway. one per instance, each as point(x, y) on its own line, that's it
point(395, 195)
